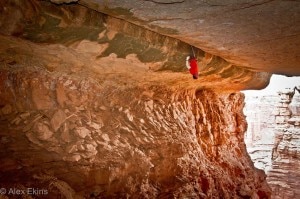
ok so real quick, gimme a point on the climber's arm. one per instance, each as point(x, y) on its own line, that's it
point(187, 62)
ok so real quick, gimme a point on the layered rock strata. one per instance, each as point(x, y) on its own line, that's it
point(259, 138)
point(273, 140)
point(284, 177)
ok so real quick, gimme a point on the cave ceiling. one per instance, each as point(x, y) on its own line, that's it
point(239, 44)
point(262, 35)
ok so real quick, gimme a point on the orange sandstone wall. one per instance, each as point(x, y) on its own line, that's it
point(75, 137)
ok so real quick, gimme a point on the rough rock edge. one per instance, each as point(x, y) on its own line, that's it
point(63, 1)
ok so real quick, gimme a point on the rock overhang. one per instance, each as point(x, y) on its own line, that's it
point(157, 36)
point(261, 35)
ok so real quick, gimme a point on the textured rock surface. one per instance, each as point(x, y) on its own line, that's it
point(285, 154)
point(63, 1)
point(95, 106)
point(81, 125)
point(100, 35)
point(273, 140)
point(161, 144)
point(262, 34)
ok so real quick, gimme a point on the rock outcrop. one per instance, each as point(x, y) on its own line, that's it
point(86, 139)
point(259, 138)
point(285, 175)
point(273, 140)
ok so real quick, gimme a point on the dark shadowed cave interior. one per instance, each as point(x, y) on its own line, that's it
point(96, 100)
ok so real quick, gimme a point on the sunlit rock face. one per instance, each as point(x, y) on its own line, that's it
point(285, 154)
point(273, 139)
point(259, 138)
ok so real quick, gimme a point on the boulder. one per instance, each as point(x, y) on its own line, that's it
point(42, 131)
point(58, 119)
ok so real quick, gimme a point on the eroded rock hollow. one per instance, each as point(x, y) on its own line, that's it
point(94, 106)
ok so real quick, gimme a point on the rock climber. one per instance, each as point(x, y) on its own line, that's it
point(191, 64)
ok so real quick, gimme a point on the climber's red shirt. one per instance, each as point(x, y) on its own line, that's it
point(194, 67)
